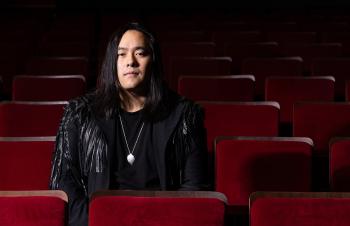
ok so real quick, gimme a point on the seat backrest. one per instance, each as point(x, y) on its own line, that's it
point(217, 88)
point(291, 36)
point(247, 164)
point(347, 90)
point(197, 66)
point(25, 163)
point(226, 36)
point(239, 51)
point(321, 121)
point(265, 67)
point(302, 209)
point(240, 119)
point(312, 50)
point(149, 208)
point(39, 208)
point(339, 164)
point(57, 66)
point(288, 90)
point(47, 88)
point(338, 67)
point(28, 119)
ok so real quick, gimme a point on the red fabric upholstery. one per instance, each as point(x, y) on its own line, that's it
point(291, 37)
point(310, 51)
point(240, 119)
point(65, 49)
point(246, 165)
point(184, 49)
point(239, 51)
point(198, 66)
point(223, 36)
point(347, 90)
point(217, 88)
point(275, 211)
point(57, 66)
point(154, 211)
point(32, 211)
point(265, 67)
point(25, 165)
point(336, 67)
point(30, 119)
point(339, 164)
point(321, 122)
point(180, 35)
point(48, 88)
point(288, 90)
point(188, 49)
point(278, 26)
point(342, 37)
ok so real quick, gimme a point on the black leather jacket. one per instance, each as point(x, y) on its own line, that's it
point(80, 164)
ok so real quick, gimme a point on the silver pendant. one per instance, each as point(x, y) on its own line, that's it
point(130, 158)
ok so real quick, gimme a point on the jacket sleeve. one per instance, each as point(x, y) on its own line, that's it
point(66, 171)
point(194, 170)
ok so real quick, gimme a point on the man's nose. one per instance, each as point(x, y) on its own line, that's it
point(131, 61)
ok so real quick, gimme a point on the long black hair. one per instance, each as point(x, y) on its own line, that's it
point(107, 94)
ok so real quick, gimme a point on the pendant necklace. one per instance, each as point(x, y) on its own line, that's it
point(130, 158)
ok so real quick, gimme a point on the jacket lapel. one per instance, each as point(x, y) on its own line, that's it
point(162, 132)
point(98, 181)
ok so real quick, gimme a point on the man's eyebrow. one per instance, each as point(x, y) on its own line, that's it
point(135, 48)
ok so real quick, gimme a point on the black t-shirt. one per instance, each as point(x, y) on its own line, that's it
point(142, 174)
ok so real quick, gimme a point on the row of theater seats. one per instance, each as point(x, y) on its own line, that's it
point(124, 208)
point(318, 120)
point(261, 68)
point(242, 165)
point(129, 208)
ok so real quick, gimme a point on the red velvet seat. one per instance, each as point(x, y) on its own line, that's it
point(310, 51)
point(239, 51)
point(262, 68)
point(302, 209)
point(39, 208)
point(180, 66)
point(30, 119)
point(336, 67)
point(190, 35)
point(347, 90)
point(199, 49)
point(291, 37)
point(240, 119)
point(25, 162)
point(339, 164)
point(217, 88)
point(321, 121)
point(342, 37)
point(278, 26)
point(64, 49)
point(57, 66)
point(324, 25)
point(152, 208)
point(288, 90)
point(47, 88)
point(248, 164)
point(170, 50)
point(227, 36)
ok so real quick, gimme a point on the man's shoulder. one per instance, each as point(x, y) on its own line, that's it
point(186, 106)
point(81, 104)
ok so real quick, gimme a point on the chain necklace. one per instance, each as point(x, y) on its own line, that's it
point(130, 158)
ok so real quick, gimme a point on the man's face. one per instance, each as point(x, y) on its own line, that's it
point(133, 62)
